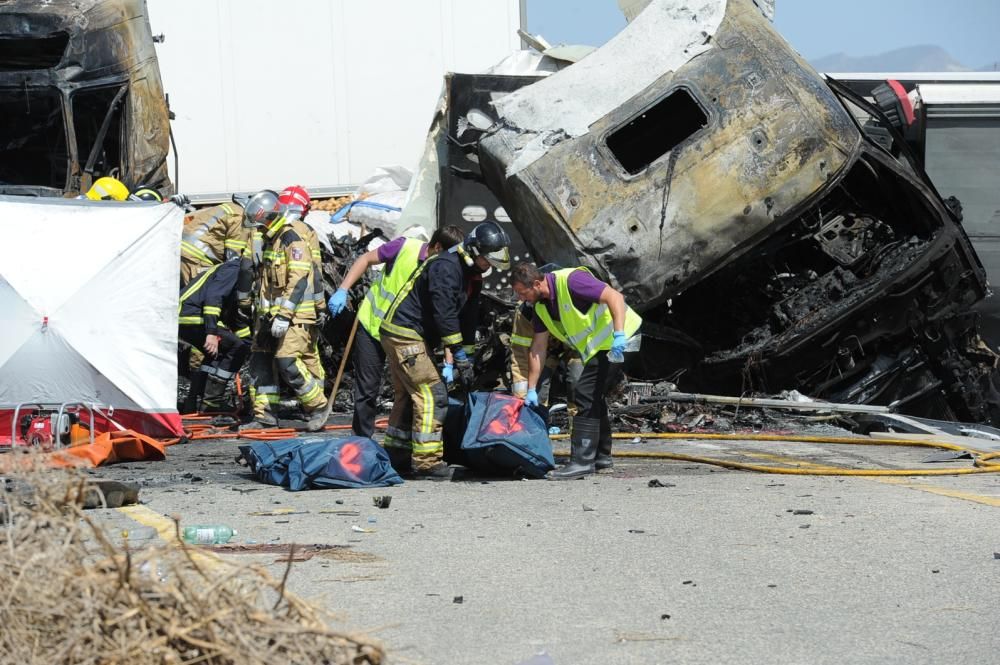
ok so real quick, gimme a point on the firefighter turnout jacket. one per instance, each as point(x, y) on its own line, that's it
point(211, 236)
point(288, 280)
point(439, 303)
point(318, 292)
point(211, 297)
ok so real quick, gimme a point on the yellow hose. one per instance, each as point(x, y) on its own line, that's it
point(980, 458)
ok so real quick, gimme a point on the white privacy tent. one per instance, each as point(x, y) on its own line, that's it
point(88, 292)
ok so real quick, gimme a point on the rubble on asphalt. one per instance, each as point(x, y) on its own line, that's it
point(75, 594)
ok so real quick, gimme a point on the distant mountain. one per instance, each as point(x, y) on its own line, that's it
point(924, 58)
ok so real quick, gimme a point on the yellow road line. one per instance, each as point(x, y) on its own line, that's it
point(984, 499)
point(931, 489)
point(167, 531)
point(791, 461)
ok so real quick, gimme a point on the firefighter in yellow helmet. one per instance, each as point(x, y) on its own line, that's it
point(107, 189)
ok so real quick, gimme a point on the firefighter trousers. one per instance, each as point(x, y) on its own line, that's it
point(219, 369)
point(294, 360)
point(369, 370)
point(232, 350)
point(420, 401)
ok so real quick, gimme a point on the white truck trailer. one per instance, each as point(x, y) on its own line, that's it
point(315, 92)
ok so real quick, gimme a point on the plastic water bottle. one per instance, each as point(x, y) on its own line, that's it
point(207, 534)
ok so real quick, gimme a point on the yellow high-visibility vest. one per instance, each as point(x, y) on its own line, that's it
point(386, 287)
point(586, 332)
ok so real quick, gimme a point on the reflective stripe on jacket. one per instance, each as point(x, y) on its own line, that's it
point(203, 300)
point(287, 275)
point(586, 332)
point(214, 235)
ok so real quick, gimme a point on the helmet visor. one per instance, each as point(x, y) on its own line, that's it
point(499, 258)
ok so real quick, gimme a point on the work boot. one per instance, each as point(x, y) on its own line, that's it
point(438, 472)
point(260, 422)
point(401, 460)
point(603, 459)
point(317, 420)
point(584, 439)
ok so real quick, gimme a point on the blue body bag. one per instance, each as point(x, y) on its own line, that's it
point(504, 437)
point(306, 463)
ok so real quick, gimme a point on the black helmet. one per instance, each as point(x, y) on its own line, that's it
point(146, 193)
point(491, 242)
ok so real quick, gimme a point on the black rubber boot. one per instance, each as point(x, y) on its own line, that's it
point(584, 439)
point(439, 472)
point(215, 395)
point(198, 381)
point(603, 459)
point(401, 460)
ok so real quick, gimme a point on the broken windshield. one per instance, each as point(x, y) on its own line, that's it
point(32, 138)
point(97, 119)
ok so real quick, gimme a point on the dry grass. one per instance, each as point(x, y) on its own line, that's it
point(72, 595)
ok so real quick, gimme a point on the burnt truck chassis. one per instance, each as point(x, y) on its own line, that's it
point(81, 97)
point(774, 247)
point(887, 324)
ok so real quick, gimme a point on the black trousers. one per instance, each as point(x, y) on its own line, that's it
point(369, 371)
point(232, 350)
point(590, 396)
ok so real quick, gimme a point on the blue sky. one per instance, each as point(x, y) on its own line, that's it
point(968, 29)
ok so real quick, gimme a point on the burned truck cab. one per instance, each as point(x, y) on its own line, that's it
point(80, 97)
point(698, 164)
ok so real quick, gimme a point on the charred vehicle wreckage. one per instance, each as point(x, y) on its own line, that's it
point(769, 224)
point(698, 164)
point(80, 97)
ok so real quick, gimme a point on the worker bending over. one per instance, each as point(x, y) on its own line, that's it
point(285, 337)
point(205, 303)
point(401, 258)
point(437, 305)
point(211, 236)
point(593, 319)
point(522, 331)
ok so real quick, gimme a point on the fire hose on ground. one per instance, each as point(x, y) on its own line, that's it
point(981, 460)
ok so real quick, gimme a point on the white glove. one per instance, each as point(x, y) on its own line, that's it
point(279, 327)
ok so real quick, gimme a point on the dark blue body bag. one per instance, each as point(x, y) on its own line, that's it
point(320, 462)
point(504, 437)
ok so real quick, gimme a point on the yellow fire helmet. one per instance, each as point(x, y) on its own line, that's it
point(107, 189)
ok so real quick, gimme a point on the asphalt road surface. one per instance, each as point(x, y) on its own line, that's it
point(717, 566)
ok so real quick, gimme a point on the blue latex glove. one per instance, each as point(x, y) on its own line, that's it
point(448, 373)
point(337, 302)
point(531, 399)
point(617, 352)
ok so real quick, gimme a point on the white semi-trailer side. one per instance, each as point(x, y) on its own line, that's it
point(316, 92)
